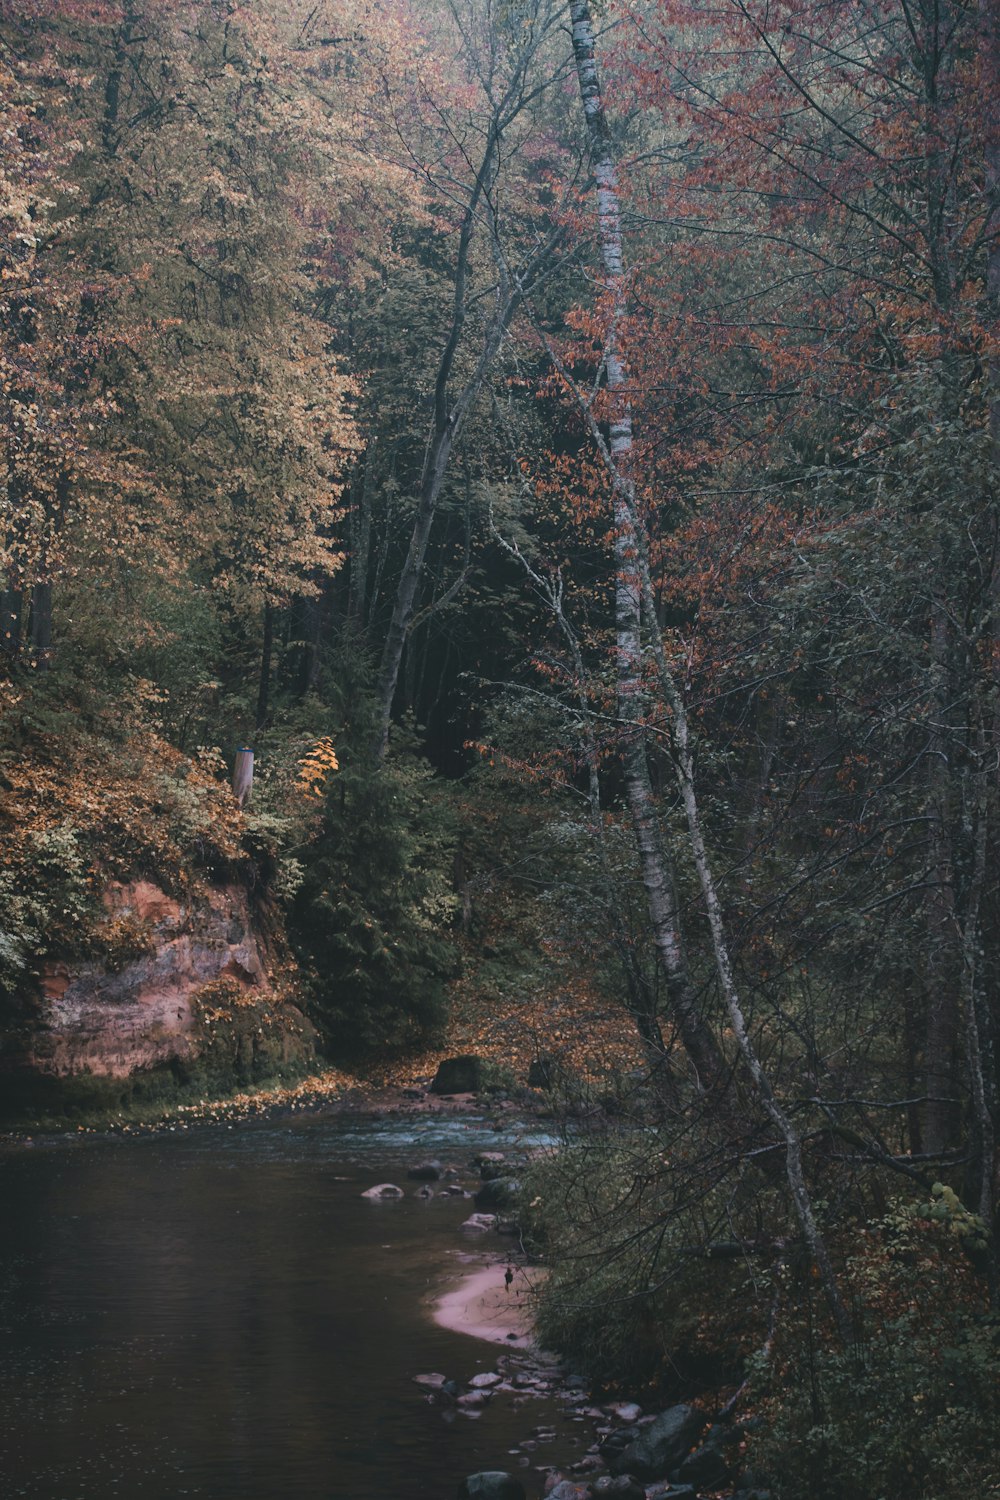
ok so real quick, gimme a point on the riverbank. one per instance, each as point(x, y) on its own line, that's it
point(329, 1091)
point(485, 1305)
point(584, 1038)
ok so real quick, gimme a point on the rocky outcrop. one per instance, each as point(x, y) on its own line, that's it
point(178, 990)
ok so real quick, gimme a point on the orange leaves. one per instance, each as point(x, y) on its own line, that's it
point(315, 768)
point(132, 806)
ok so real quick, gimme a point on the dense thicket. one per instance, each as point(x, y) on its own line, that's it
point(585, 422)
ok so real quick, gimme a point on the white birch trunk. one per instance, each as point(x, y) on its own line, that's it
point(990, 24)
point(657, 871)
point(634, 595)
point(243, 776)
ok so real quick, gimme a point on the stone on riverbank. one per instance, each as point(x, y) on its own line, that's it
point(458, 1075)
point(662, 1446)
point(626, 1411)
point(621, 1487)
point(491, 1484)
point(384, 1190)
point(705, 1468)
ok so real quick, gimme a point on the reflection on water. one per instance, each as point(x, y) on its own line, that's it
point(218, 1313)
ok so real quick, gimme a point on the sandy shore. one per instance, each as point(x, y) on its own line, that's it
point(485, 1308)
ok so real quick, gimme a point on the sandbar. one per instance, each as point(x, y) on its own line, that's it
point(484, 1307)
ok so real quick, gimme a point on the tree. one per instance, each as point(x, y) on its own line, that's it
point(465, 155)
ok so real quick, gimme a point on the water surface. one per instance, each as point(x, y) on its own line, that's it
point(218, 1313)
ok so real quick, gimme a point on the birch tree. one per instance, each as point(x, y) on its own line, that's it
point(635, 608)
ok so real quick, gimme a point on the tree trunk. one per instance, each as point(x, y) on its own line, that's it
point(41, 625)
point(657, 869)
point(447, 423)
point(990, 93)
point(10, 623)
point(450, 414)
point(634, 593)
point(942, 967)
point(361, 540)
point(976, 1060)
point(943, 963)
point(243, 775)
point(264, 687)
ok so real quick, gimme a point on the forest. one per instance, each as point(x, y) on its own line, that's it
point(560, 439)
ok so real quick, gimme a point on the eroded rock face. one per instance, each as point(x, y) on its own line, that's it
point(183, 981)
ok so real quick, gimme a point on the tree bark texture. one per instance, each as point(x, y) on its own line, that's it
point(654, 859)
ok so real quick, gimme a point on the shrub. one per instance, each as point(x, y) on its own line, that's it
point(371, 920)
point(641, 1289)
point(912, 1413)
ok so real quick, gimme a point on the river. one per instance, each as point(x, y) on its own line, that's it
point(217, 1313)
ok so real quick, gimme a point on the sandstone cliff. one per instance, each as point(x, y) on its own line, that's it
point(181, 1000)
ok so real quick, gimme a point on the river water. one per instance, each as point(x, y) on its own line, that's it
point(217, 1313)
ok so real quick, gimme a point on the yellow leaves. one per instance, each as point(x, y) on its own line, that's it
point(315, 767)
point(139, 803)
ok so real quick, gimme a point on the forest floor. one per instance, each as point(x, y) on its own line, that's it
point(590, 1035)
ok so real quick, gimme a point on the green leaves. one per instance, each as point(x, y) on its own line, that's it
point(371, 919)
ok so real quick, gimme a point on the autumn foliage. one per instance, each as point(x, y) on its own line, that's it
point(569, 459)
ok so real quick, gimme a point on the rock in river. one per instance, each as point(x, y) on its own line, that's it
point(426, 1171)
point(384, 1190)
point(491, 1484)
point(499, 1192)
point(480, 1223)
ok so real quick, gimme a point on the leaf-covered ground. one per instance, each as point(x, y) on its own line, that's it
point(589, 1034)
